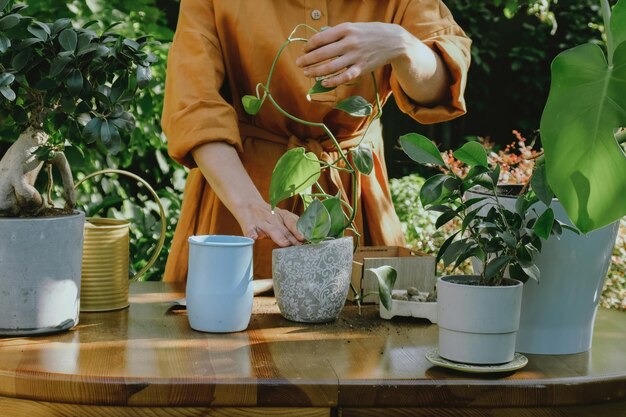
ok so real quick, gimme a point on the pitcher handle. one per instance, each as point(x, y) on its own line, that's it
point(143, 182)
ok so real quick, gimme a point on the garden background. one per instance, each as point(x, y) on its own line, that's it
point(514, 42)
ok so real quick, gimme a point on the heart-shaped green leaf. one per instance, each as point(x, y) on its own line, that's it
point(363, 159)
point(338, 221)
point(355, 106)
point(472, 154)
point(386, 277)
point(585, 166)
point(420, 149)
point(251, 104)
point(318, 88)
point(314, 223)
point(294, 172)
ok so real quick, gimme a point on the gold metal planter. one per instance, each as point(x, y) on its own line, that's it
point(106, 254)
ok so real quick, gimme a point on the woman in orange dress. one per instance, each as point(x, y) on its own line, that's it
point(222, 49)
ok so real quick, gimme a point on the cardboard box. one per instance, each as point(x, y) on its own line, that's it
point(414, 269)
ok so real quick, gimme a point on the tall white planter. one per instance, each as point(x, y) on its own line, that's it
point(477, 324)
point(40, 270)
point(311, 282)
point(558, 312)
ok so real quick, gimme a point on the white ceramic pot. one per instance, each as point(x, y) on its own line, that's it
point(219, 283)
point(40, 270)
point(477, 324)
point(558, 312)
point(311, 282)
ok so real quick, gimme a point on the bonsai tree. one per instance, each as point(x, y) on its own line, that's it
point(61, 85)
point(297, 172)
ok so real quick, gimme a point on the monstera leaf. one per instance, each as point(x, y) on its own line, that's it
point(586, 168)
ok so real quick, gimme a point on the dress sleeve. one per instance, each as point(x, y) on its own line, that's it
point(194, 112)
point(432, 23)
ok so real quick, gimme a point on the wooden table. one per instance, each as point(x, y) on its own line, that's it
point(145, 360)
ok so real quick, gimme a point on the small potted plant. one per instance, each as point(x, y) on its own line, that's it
point(311, 281)
point(478, 315)
point(60, 85)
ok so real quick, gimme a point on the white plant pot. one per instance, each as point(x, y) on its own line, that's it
point(219, 283)
point(311, 282)
point(40, 270)
point(558, 312)
point(477, 324)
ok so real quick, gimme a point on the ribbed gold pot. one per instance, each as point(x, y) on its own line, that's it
point(104, 285)
point(106, 256)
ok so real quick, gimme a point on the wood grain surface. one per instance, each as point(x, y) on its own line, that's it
point(147, 356)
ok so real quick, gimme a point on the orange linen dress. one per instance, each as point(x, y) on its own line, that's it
point(222, 49)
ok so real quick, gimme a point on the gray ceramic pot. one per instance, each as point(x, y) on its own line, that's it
point(311, 282)
point(40, 270)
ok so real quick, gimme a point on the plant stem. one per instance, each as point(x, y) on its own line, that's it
point(50, 184)
point(606, 16)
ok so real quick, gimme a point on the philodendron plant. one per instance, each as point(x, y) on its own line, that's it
point(61, 85)
point(503, 240)
point(585, 164)
point(297, 172)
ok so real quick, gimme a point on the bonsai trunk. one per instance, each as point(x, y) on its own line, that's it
point(18, 172)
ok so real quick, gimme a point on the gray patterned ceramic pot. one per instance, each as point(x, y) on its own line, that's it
point(311, 282)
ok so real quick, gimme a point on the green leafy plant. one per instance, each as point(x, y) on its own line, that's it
point(503, 240)
point(499, 237)
point(297, 172)
point(72, 84)
point(585, 164)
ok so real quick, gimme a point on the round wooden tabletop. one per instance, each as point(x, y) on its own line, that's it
point(147, 356)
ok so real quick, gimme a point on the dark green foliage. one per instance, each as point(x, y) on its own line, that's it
point(144, 151)
point(496, 235)
point(63, 76)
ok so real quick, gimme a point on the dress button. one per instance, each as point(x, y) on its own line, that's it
point(316, 14)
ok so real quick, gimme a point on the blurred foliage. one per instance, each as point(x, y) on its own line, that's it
point(509, 78)
point(146, 152)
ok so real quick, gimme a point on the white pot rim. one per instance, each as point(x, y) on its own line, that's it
point(446, 279)
point(220, 240)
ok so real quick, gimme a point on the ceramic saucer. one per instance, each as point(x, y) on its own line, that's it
point(519, 361)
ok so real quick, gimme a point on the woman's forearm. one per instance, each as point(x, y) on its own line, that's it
point(420, 71)
point(221, 166)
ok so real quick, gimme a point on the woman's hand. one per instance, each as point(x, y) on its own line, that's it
point(221, 166)
point(347, 51)
point(357, 48)
point(260, 222)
